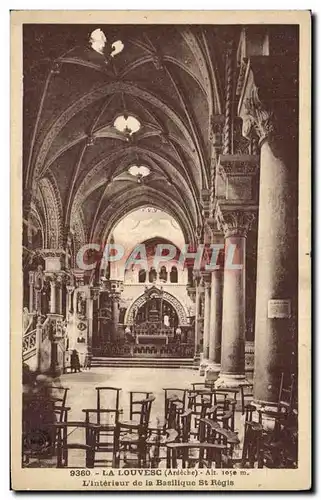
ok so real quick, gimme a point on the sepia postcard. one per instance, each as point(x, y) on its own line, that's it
point(160, 250)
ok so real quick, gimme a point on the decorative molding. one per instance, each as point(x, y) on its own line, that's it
point(142, 299)
point(53, 213)
point(237, 165)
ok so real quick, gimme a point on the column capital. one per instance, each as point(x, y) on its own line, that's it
point(268, 96)
point(56, 278)
point(191, 292)
point(78, 277)
point(233, 220)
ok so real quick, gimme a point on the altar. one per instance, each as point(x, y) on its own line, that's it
point(153, 332)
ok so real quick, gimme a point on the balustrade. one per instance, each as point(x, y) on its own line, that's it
point(145, 350)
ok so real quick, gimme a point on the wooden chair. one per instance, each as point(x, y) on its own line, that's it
point(211, 431)
point(156, 442)
point(283, 408)
point(174, 395)
point(39, 414)
point(131, 436)
point(246, 392)
point(186, 422)
point(107, 421)
point(58, 394)
point(63, 445)
point(180, 455)
point(108, 398)
point(135, 400)
point(201, 402)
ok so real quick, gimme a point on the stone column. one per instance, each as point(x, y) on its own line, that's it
point(206, 278)
point(31, 292)
point(53, 295)
point(38, 342)
point(276, 276)
point(235, 225)
point(91, 304)
point(115, 309)
point(60, 284)
point(115, 287)
point(197, 314)
point(268, 107)
point(215, 326)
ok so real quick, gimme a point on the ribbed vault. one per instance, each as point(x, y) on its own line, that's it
point(167, 77)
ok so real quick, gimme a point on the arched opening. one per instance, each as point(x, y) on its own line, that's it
point(152, 275)
point(141, 276)
point(174, 275)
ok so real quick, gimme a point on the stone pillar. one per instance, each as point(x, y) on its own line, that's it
point(115, 309)
point(276, 276)
point(91, 304)
point(215, 326)
point(206, 279)
point(38, 342)
point(268, 106)
point(115, 289)
point(235, 224)
point(60, 284)
point(197, 313)
point(31, 291)
point(53, 295)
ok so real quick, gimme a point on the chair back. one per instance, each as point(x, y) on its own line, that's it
point(174, 394)
point(64, 430)
point(286, 393)
point(135, 401)
point(146, 407)
point(108, 398)
point(186, 421)
point(58, 394)
point(246, 392)
point(191, 454)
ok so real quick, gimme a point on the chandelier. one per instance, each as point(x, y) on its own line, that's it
point(139, 171)
point(127, 124)
point(98, 42)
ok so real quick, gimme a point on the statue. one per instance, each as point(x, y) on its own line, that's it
point(68, 253)
point(39, 287)
point(81, 305)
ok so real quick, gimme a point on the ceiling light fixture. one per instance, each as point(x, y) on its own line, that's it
point(139, 171)
point(98, 42)
point(127, 125)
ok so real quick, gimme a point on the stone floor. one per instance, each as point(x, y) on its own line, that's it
point(82, 393)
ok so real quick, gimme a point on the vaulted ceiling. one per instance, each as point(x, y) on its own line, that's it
point(170, 78)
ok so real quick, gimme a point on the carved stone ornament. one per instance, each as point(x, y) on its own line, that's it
point(238, 165)
point(256, 118)
point(235, 222)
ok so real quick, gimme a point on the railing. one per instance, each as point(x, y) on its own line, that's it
point(29, 344)
point(149, 350)
point(153, 329)
point(29, 322)
point(51, 329)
